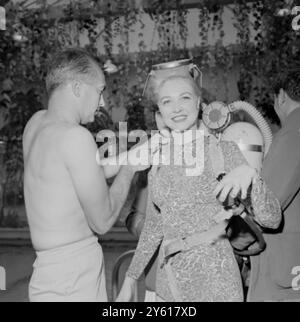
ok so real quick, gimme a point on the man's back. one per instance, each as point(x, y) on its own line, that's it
point(66, 194)
point(54, 213)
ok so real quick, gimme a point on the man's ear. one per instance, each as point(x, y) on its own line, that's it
point(76, 88)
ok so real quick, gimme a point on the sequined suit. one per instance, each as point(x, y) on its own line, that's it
point(181, 205)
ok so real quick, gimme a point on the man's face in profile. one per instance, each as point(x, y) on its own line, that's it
point(92, 98)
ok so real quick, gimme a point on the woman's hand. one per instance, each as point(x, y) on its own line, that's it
point(237, 180)
point(127, 291)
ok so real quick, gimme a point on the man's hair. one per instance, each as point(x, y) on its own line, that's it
point(290, 83)
point(70, 64)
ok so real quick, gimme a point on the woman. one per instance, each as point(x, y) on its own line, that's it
point(180, 205)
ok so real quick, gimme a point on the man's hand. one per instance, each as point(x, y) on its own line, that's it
point(237, 180)
point(140, 157)
point(127, 291)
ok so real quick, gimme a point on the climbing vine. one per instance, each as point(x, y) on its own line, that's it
point(265, 45)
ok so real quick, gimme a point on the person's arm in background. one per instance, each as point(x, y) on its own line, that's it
point(136, 218)
point(281, 168)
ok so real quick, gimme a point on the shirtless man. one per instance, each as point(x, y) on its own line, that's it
point(66, 196)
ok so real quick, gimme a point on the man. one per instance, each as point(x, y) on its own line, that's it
point(275, 272)
point(66, 196)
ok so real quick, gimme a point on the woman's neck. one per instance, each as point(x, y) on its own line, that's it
point(189, 135)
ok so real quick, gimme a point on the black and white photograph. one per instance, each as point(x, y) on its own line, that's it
point(150, 152)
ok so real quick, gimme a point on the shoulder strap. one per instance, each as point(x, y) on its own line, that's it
point(216, 155)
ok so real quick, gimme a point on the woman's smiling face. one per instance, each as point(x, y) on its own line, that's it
point(178, 103)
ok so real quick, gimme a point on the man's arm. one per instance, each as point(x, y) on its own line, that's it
point(281, 168)
point(112, 165)
point(100, 204)
point(145, 148)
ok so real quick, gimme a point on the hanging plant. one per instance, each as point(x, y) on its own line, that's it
point(33, 34)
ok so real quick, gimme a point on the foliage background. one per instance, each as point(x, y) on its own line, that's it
point(34, 32)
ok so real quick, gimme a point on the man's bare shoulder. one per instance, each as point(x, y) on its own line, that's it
point(77, 135)
point(33, 120)
point(77, 142)
point(31, 128)
point(37, 115)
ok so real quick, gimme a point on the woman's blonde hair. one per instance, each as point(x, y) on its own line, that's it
point(156, 86)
